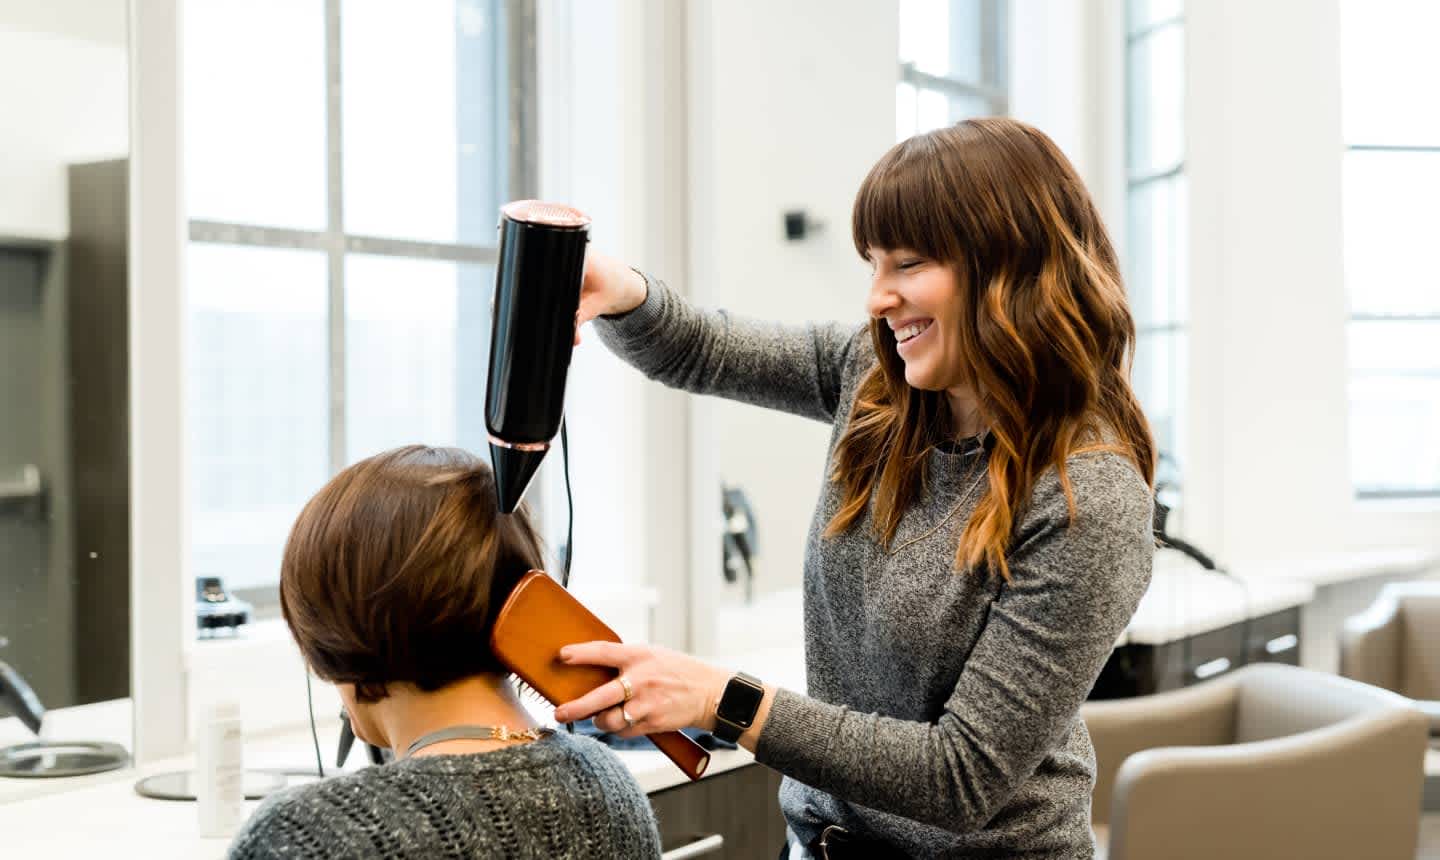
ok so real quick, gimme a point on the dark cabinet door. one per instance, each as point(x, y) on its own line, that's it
point(740, 806)
point(1139, 670)
point(1275, 638)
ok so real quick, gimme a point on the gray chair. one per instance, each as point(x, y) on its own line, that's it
point(1395, 644)
point(1268, 761)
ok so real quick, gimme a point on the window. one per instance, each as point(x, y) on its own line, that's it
point(1156, 204)
point(952, 63)
point(342, 196)
point(1391, 221)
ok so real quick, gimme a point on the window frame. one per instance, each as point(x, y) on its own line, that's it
point(520, 162)
point(1138, 182)
point(993, 87)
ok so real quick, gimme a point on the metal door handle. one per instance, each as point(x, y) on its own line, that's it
point(1281, 644)
point(699, 848)
point(27, 487)
point(1212, 668)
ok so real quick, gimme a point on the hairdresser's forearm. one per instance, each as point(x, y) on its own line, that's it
point(793, 368)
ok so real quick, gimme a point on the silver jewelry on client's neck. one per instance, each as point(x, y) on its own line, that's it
point(476, 733)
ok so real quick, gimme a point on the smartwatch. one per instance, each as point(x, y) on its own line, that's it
point(736, 711)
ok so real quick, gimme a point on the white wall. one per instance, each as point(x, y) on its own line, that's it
point(65, 101)
point(790, 104)
point(612, 142)
point(1268, 360)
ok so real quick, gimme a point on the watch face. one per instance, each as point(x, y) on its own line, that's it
point(740, 702)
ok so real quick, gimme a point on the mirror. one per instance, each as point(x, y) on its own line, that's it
point(64, 462)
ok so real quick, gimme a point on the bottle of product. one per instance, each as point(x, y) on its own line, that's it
point(218, 771)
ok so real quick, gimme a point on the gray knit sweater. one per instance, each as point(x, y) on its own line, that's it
point(942, 712)
point(560, 796)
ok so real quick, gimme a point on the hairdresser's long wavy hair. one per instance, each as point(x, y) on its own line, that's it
point(1045, 332)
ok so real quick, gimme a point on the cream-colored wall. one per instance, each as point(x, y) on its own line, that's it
point(789, 105)
point(65, 101)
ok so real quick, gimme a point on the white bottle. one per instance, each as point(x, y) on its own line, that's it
point(219, 787)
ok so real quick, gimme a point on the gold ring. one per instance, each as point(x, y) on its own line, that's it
point(629, 720)
point(625, 685)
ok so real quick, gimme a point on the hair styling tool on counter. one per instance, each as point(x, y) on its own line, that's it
point(42, 758)
point(536, 621)
point(537, 297)
point(19, 698)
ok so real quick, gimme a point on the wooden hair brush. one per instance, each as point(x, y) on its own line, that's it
point(538, 619)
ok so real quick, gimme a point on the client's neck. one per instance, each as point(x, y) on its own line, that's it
point(408, 714)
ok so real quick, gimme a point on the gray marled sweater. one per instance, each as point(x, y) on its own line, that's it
point(560, 796)
point(942, 712)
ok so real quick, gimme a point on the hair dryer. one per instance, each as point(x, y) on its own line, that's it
point(537, 297)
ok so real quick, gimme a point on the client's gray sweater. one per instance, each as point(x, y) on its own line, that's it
point(942, 713)
point(560, 796)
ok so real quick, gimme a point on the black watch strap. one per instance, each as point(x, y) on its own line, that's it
point(737, 707)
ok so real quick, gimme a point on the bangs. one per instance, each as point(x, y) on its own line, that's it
point(903, 203)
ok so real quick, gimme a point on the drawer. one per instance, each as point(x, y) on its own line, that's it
point(1215, 653)
point(739, 806)
point(1275, 638)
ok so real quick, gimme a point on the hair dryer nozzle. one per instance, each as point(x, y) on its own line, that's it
point(514, 469)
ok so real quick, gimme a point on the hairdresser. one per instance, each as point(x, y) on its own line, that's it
point(983, 531)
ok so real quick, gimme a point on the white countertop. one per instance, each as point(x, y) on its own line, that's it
point(1335, 568)
point(101, 815)
point(1185, 599)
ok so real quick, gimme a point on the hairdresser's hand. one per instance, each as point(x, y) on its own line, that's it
point(610, 287)
point(672, 690)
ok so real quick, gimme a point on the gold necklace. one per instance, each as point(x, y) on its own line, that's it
point(953, 511)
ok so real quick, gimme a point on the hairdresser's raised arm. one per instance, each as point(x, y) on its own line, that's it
point(794, 368)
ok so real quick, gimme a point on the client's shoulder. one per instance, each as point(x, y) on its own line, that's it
point(290, 823)
point(582, 791)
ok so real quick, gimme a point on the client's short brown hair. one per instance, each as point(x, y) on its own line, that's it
point(394, 570)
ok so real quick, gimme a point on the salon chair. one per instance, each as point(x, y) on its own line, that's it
point(1395, 644)
point(1267, 761)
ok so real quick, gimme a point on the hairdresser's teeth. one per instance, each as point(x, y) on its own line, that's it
point(911, 331)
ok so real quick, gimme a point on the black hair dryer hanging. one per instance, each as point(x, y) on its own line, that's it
point(537, 297)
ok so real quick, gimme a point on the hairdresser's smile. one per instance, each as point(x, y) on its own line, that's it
point(908, 333)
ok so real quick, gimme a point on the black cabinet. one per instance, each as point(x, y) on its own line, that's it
point(1139, 670)
point(741, 806)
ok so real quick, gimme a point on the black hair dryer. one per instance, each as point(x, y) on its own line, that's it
point(537, 297)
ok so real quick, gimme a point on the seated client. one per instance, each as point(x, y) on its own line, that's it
point(390, 583)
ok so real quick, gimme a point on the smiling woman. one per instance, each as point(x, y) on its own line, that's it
point(985, 532)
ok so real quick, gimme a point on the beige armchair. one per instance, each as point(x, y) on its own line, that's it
point(1269, 761)
point(1395, 644)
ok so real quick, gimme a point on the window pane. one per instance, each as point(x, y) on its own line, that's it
point(416, 356)
point(1156, 271)
point(1392, 221)
point(255, 112)
point(934, 109)
point(942, 37)
point(425, 120)
point(1140, 14)
point(1159, 380)
point(256, 403)
point(1390, 69)
point(1157, 99)
point(1395, 406)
